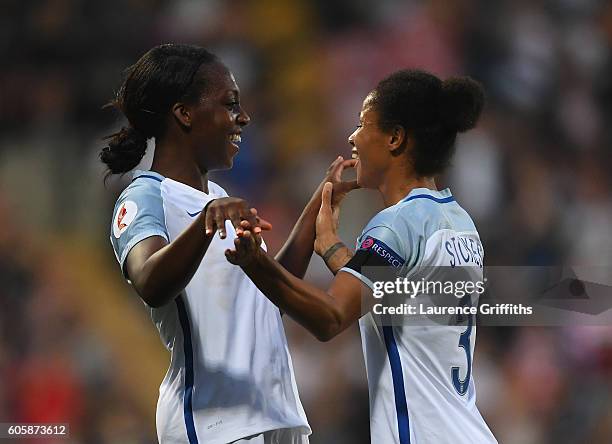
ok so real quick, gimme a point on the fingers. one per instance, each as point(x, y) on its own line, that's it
point(349, 185)
point(235, 256)
point(247, 242)
point(249, 214)
point(219, 219)
point(263, 224)
point(231, 256)
point(326, 196)
point(349, 163)
point(245, 248)
point(209, 222)
point(235, 218)
point(246, 227)
point(327, 219)
point(260, 224)
point(334, 165)
point(335, 169)
point(241, 244)
point(338, 166)
point(236, 211)
point(335, 175)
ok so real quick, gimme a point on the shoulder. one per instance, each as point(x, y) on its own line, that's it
point(423, 207)
point(381, 237)
point(426, 211)
point(142, 198)
point(142, 188)
point(138, 214)
point(392, 223)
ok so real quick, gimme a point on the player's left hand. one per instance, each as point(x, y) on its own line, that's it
point(247, 245)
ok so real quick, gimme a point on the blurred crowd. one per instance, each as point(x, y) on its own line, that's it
point(534, 175)
point(53, 367)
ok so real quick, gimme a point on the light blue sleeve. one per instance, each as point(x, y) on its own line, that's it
point(138, 214)
point(385, 242)
point(378, 247)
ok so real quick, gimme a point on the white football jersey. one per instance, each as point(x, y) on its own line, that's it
point(420, 375)
point(230, 373)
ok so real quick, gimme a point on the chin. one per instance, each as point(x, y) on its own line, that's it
point(228, 165)
point(218, 166)
point(229, 162)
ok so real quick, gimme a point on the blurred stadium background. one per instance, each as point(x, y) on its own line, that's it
point(75, 342)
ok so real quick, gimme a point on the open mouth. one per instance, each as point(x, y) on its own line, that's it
point(354, 153)
point(235, 138)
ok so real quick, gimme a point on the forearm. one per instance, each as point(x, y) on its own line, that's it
point(296, 252)
point(333, 251)
point(336, 256)
point(314, 309)
point(167, 272)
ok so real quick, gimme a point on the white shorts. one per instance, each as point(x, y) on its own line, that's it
point(280, 436)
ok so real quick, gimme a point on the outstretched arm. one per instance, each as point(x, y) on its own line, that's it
point(159, 270)
point(323, 313)
point(297, 250)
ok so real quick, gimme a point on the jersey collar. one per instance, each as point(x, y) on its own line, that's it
point(177, 185)
point(442, 196)
point(148, 174)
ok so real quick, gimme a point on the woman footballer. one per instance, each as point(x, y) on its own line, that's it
point(230, 377)
point(419, 376)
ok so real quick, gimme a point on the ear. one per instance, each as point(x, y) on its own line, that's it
point(182, 114)
point(398, 137)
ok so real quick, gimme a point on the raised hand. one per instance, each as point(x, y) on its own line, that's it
point(247, 245)
point(327, 221)
point(235, 210)
point(334, 175)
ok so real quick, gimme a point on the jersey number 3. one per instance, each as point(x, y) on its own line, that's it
point(461, 385)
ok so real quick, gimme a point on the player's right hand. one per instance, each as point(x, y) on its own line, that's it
point(326, 226)
point(334, 175)
point(235, 210)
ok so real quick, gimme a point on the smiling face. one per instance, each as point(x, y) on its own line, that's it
point(370, 147)
point(217, 120)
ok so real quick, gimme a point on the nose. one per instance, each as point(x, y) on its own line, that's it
point(243, 118)
point(351, 140)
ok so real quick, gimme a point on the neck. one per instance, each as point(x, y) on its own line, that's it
point(172, 162)
point(396, 186)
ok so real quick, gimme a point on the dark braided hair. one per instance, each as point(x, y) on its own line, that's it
point(163, 76)
point(434, 110)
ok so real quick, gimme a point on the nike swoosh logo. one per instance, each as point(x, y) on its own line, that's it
point(194, 214)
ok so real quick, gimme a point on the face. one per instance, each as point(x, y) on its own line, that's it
point(369, 146)
point(217, 120)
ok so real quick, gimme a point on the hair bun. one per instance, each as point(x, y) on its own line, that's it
point(124, 151)
point(462, 100)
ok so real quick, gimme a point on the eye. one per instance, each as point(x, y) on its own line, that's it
point(359, 125)
point(233, 106)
